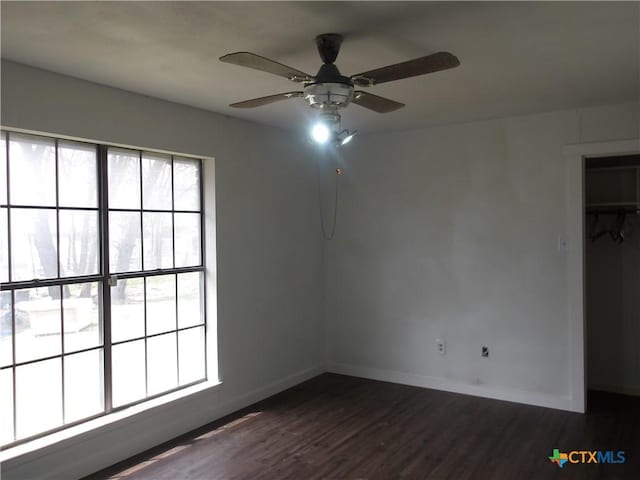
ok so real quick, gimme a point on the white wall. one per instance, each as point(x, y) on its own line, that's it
point(452, 233)
point(446, 232)
point(269, 251)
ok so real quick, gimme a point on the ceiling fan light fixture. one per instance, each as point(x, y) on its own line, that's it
point(327, 128)
point(329, 91)
point(320, 133)
point(328, 95)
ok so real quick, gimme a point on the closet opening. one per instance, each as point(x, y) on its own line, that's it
point(612, 280)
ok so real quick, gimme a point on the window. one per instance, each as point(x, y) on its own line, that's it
point(102, 280)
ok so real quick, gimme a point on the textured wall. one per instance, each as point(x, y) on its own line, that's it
point(452, 233)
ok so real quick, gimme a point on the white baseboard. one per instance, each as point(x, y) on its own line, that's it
point(258, 394)
point(436, 383)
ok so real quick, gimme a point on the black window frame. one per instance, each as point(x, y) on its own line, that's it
point(104, 278)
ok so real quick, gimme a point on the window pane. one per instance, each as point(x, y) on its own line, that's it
point(3, 169)
point(37, 317)
point(32, 168)
point(190, 305)
point(83, 385)
point(77, 175)
point(4, 246)
point(186, 184)
point(78, 242)
point(6, 406)
point(34, 253)
point(124, 242)
point(156, 181)
point(38, 397)
point(162, 363)
point(124, 179)
point(191, 349)
point(6, 345)
point(158, 240)
point(81, 316)
point(127, 309)
point(161, 304)
point(187, 235)
point(128, 372)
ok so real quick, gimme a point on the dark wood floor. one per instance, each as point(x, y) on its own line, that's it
point(338, 427)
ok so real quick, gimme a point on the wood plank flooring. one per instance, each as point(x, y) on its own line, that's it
point(339, 427)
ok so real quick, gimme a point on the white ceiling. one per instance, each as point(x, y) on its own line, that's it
point(515, 57)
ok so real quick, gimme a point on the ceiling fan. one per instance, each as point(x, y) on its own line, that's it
point(330, 91)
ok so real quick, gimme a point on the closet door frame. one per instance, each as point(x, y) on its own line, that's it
point(575, 207)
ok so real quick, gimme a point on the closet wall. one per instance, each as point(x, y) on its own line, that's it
point(613, 277)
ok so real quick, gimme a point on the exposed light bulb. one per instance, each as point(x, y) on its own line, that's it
point(346, 139)
point(320, 133)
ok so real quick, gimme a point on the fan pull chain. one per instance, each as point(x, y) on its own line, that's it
point(339, 173)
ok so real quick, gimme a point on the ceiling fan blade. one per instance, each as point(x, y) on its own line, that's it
point(258, 102)
point(251, 60)
point(376, 103)
point(419, 66)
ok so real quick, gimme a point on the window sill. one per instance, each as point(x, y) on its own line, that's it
point(103, 421)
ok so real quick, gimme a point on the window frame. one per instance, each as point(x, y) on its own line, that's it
point(105, 279)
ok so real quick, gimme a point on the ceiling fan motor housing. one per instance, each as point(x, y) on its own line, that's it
point(329, 46)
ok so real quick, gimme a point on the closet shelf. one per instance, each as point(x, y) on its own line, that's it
point(612, 185)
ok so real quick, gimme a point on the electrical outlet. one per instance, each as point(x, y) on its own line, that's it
point(485, 351)
point(440, 344)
